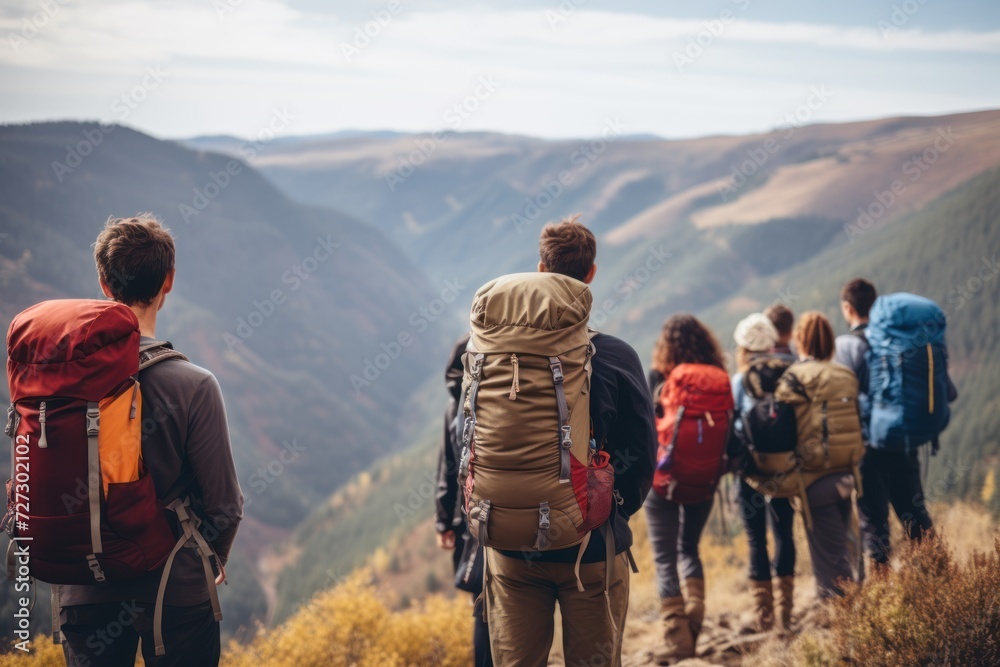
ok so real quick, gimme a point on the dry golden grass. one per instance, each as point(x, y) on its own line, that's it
point(945, 596)
point(351, 625)
point(935, 601)
point(42, 652)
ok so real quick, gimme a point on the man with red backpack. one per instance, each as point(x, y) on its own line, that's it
point(177, 498)
point(559, 446)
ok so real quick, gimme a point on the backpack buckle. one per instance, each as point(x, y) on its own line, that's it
point(12, 419)
point(93, 421)
point(470, 426)
point(95, 567)
point(543, 516)
point(477, 367)
point(557, 371)
point(567, 441)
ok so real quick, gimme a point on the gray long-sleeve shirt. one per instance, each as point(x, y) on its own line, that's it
point(185, 442)
point(850, 351)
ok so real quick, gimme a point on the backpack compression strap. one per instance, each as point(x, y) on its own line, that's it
point(157, 351)
point(189, 532)
point(565, 438)
point(94, 488)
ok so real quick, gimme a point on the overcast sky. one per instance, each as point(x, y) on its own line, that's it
point(551, 69)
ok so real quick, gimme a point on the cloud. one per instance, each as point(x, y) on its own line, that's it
point(560, 77)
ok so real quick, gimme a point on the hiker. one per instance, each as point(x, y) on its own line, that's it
point(904, 404)
point(559, 445)
point(694, 407)
point(783, 319)
point(760, 499)
point(186, 449)
point(824, 396)
point(450, 522)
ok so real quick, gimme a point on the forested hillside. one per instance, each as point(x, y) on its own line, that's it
point(949, 252)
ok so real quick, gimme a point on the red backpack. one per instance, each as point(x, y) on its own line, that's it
point(80, 500)
point(697, 403)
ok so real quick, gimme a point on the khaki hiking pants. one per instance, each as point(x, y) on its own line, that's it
point(521, 598)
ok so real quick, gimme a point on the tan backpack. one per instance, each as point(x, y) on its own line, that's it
point(824, 396)
point(534, 478)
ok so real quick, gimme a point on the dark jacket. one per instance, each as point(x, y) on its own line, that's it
point(448, 500)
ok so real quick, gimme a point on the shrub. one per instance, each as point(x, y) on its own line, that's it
point(930, 611)
point(349, 625)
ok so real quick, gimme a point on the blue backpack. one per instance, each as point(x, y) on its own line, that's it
point(908, 380)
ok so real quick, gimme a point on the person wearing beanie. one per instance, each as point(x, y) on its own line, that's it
point(756, 337)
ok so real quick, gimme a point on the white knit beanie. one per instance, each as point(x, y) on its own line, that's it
point(756, 333)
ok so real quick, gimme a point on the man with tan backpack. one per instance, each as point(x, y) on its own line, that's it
point(559, 447)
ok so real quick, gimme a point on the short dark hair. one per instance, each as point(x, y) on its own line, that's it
point(860, 294)
point(568, 248)
point(781, 317)
point(134, 257)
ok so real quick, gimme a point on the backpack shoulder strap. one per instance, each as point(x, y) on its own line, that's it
point(157, 351)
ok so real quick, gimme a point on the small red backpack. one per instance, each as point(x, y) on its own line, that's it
point(697, 403)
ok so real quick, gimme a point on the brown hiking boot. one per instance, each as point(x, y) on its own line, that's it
point(763, 602)
point(678, 643)
point(694, 606)
point(784, 602)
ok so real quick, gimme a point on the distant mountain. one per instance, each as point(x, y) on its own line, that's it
point(290, 306)
point(229, 144)
point(470, 205)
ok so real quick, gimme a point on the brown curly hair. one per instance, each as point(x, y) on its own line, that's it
point(685, 340)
